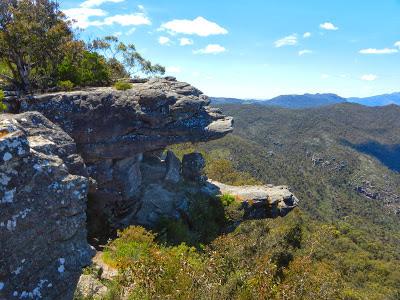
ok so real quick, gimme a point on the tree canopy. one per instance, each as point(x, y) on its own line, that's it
point(38, 49)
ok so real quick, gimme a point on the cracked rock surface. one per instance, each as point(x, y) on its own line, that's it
point(43, 189)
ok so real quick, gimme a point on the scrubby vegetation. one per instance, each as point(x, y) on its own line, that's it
point(3, 107)
point(39, 50)
point(288, 258)
point(122, 86)
point(65, 85)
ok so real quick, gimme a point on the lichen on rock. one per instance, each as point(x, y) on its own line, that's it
point(43, 201)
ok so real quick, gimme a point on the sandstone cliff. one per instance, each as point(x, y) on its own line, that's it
point(43, 192)
point(95, 161)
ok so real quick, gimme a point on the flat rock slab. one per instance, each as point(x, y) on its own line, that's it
point(258, 201)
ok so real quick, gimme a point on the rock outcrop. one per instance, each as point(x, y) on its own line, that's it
point(110, 124)
point(98, 157)
point(258, 202)
point(121, 136)
point(43, 189)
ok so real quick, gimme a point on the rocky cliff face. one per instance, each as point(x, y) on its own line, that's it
point(43, 192)
point(99, 155)
point(121, 135)
point(112, 125)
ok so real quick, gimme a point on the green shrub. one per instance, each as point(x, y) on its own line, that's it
point(227, 199)
point(89, 69)
point(66, 85)
point(122, 86)
point(3, 107)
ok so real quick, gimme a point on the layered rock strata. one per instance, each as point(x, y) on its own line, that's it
point(122, 134)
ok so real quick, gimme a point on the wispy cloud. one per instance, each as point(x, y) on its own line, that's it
point(397, 44)
point(306, 35)
point(211, 49)
point(96, 3)
point(163, 40)
point(379, 51)
point(130, 31)
point(290, 40)
point(304, 52)
point(369, 77)
point(185, 42)
point(328, 26)
point(199, 26)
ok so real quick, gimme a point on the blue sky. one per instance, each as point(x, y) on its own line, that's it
point(259, 48)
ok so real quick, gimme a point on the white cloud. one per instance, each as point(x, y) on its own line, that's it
point(163, 40)
point(185, 42)
point(328, 26)
point(81, 15)
point(130, 31)
point(199, 26)
point(95, 3)
point(173, 69)
point(369, 77)
point(397, 44)
point(141, 7)
point(306, 35)
point(210, 49)
point(378, 51)
point(304, 52)
point(325, 76)
point(124, 20)
point(290, 40)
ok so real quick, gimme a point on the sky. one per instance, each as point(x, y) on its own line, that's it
point(258, 49)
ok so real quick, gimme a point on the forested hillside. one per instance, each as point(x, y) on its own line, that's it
point(342, 242)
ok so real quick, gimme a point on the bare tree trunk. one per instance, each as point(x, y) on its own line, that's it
point(23, 73)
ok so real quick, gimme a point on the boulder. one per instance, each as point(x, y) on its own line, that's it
point(158, 202)
point(193, 165)
point(43, 189)
point(173, 163)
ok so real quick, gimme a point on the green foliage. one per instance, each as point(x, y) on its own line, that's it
point(256, 261)
point(351, 238)
point(227, 199)
point(131, 244)
point(131, 62)
point(33, 39)
point(86, 69)
point(122, 86)
point(3, 107)
point(65, 85)
point(38, 49)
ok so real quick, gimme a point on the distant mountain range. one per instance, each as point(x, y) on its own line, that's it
point(312, 100)
point(380, 100)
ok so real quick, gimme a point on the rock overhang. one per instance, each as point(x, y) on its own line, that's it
point(110, 124)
